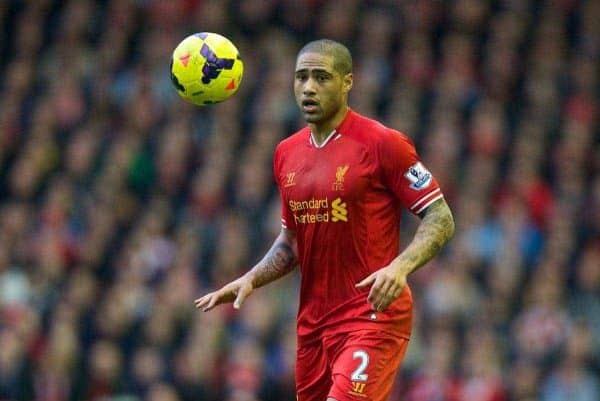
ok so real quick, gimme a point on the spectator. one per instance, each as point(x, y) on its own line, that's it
point(119, 203)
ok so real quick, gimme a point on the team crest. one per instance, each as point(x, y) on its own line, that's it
point(338, 185)
point(419, 176)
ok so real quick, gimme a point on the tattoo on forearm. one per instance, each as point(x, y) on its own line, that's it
point(436, 228)
point(279, 261)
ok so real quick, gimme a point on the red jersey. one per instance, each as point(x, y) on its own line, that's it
point(344, 199)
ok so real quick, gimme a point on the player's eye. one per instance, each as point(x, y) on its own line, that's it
point(301, 77)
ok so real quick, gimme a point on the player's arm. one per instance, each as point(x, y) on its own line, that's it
point(281, 259)
point(434, 231)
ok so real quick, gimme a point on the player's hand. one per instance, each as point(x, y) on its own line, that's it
point(236, 291)
point(386, 285)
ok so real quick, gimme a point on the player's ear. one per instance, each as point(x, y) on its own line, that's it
point(347, 82)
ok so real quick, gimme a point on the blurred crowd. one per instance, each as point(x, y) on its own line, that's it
point(120, 204)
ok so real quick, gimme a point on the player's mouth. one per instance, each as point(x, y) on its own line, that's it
point(309, 105)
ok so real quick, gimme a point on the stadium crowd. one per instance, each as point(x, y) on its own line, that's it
point(120, 204)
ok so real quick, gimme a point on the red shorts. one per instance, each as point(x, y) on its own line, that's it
point(353, 366)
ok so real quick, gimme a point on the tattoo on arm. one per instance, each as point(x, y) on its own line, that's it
point(279, 261)
point(435, 230)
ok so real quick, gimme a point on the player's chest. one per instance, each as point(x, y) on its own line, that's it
point(343, 170)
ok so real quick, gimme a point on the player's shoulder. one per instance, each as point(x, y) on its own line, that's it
point(374, 133)
point(291, 147)
point(291, 142)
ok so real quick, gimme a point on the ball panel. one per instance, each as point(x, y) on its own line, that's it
point(206, 68)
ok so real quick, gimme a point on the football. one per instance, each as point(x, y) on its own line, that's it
point(206, 68)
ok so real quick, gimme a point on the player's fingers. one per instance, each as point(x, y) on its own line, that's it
point(241, 296)
point(376, 289)
point(214, 301)
point(393, 292)
point(200, 302)
point(389, 297)
point(380, 290)
point(367, 281)
point(373, 291)
point(383, 303)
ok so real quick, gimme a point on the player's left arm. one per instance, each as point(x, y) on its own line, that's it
point(435, 230)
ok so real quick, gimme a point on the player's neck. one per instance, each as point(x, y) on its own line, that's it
point(321, 131)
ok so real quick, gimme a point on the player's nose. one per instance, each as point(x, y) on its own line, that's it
point(309, 87)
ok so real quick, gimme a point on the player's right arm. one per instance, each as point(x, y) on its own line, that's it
point(281, 259)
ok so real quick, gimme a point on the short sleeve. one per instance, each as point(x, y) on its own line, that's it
point(287, 218)
point(405, 175)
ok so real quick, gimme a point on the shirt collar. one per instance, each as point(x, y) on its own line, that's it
point(336, 133)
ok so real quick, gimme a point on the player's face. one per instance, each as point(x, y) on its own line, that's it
point(320, 90)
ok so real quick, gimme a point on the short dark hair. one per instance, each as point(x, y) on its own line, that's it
point(342, 59)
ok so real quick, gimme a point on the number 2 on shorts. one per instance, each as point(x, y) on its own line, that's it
point(359, 374)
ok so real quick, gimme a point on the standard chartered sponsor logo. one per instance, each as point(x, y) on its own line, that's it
point(314, 203)
point(316, 210)
point(338, 210)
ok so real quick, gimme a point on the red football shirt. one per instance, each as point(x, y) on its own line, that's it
point(344, 199)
